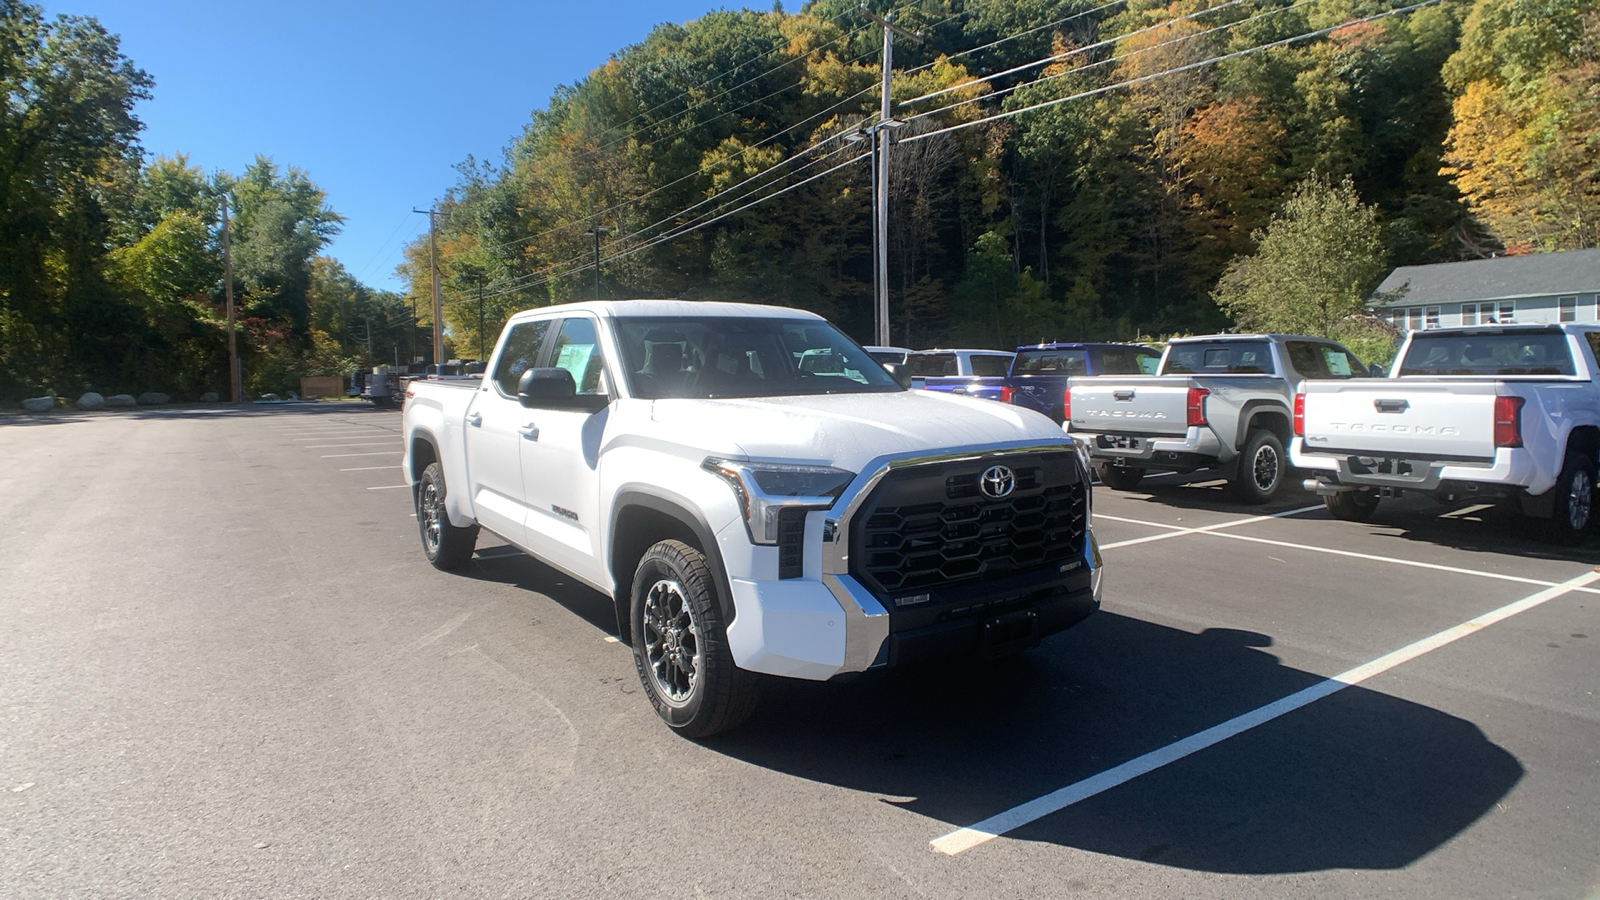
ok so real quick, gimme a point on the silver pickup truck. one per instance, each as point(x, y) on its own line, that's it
point(1221, 401)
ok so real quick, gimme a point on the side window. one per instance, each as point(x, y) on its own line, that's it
point(520, 353)
point(932, 365)
point(577, 350)
point(990, 366)
point(1305, 359)
point(1593, 337)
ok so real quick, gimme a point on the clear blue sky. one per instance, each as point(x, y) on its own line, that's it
point(376, 101)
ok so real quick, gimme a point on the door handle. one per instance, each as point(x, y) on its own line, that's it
point(529, 431)
point(475, 420)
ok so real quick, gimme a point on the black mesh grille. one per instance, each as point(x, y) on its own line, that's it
point(933, 527)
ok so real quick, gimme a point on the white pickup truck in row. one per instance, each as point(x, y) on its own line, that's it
point(1493, 411)
point(756, 494)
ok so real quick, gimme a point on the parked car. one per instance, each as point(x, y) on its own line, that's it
point(1039, 374)
point(896, 355)
point(1478, 412)
point(974, 373)
point(747, 513)
point(1222, 402)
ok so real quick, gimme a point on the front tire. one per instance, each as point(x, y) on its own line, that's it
point(1121, 478)
point(1262, 468)
point(680, 644)
point(1352, 506)
point(1574, 500)
point(445, 545)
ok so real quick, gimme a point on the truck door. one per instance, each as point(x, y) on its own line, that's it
point(494, 437)
point(560, 460)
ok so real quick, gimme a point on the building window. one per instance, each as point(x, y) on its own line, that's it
point(1430, 319)
point(1414, 318)
point(1508, 312)
point(1569, 309)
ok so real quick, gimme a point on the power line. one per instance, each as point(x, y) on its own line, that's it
point(1019, 35)
point(1175, 70)
point(1057, 57)
point(992, 95)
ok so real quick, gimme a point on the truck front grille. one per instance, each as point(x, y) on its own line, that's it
point(932, 527)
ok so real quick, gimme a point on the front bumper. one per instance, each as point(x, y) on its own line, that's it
point(827, 623)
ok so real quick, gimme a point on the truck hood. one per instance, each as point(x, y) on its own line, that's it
point(848, 430)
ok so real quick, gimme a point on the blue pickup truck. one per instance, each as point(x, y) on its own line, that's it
point(975, 373)
point(1039, 373)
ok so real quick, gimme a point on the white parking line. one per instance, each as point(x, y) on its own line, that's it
point(370, 468)
point(336, 436)
point(964, 839)
point(378, 453)
point(388, 487)
point(389, 442)
point(1180, 531)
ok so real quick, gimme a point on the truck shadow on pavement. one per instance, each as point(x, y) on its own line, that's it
point(1358, 780)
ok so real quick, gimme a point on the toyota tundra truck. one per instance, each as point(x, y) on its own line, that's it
point(1221, 402)
point(1481, 412)
point(756, 494)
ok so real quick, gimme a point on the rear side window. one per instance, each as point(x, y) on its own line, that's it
point(1514, 353)
point(932, 364)
point(520, 353)
point(1220, 358)
point(1319, 361)
point(1051, 362)
point(990, 365)
point(1126, 361)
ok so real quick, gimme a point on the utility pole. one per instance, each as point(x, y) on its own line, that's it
point(235, 381)
point(881, 139)
point(597, 231)
point(479, 276)
point(438, 305)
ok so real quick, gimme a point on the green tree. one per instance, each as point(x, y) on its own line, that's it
point(1315, 264)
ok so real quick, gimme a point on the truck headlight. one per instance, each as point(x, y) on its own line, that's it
point(765, 490)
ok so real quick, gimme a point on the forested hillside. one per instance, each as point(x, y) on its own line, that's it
point(1457, 129)
point(111, 263)
point(1065, 169)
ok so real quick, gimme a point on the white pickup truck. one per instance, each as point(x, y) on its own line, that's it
point(1490, 412)
point(756, 494)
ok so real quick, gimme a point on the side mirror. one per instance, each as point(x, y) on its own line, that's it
point(546, 387)
point(899, 373)
point(1377, 371)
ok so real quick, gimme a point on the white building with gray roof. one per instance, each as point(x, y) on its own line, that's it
point(1540, 287)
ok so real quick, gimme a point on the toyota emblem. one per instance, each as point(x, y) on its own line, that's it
point(997, 482)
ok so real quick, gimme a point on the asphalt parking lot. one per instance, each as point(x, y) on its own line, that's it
point(229, 672)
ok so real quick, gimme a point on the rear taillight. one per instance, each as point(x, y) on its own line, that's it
point(1508, 421)
point(1299, 415)
point(1008, 394)
point(1066, 405)
point(1197, 407)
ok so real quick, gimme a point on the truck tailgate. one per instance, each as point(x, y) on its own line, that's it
point(1417, 418)
point(1138, 405)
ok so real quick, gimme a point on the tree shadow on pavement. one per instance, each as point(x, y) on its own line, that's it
point(1358, 780)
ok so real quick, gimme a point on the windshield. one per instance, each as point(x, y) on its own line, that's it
point(1219, 358)
point(1525, 353)
point(727, 356)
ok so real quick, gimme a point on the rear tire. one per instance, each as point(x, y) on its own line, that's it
point(1352, 506)
point(1262, 467)
point(445, 545)
point(1574, 500)
point(680, 644)
point(1121, 478)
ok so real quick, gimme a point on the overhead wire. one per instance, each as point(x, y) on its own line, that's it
point(1018, 36)
point(1173, 71)
point(1001, 92)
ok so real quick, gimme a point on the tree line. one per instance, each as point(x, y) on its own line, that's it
point(111, 264)
point(1251, 163)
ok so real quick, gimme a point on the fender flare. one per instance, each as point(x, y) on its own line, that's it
point(684, 513)
point(1248, 414)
